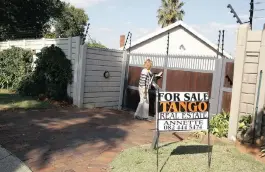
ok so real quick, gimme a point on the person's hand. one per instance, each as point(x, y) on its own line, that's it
point(160, 74)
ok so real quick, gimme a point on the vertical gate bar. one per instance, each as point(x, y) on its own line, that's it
point(220, 99)
point(164, 84)
point(123, 73)
point(215, 86)
point(124, 104)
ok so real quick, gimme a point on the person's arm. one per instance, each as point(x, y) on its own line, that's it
point(159, 74)
point(145, 92)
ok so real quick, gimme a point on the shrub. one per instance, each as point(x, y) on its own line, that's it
point(245, 123)
point(219, 124)
point(15, 65)
point(52, 74)
point(244, 132)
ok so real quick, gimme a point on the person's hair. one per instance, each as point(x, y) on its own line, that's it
point(148, 61)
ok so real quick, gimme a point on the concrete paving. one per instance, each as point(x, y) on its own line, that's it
point(10, 163)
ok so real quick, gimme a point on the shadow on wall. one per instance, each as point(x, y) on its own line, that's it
point(43, 135)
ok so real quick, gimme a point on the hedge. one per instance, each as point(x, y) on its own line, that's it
point(51, 76)
point(15, 65)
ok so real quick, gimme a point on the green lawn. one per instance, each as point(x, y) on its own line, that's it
point(10, 100)
point(188, 156)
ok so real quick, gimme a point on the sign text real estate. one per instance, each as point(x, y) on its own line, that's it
point(183, 111)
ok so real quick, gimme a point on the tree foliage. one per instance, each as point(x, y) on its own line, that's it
point(169, 12)
point(71, 22)
point(95, 44)
point(50, 35)
point(26, 18)
point(51, 76)
point(15, 65)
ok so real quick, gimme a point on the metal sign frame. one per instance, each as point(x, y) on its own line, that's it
point(155, 142)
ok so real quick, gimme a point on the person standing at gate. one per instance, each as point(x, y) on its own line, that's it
point(142, 111)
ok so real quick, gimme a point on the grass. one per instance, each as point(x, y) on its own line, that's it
point(188, 156)
point(10, 100)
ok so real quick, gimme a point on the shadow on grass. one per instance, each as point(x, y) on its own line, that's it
point(190, 149)
point(167, 144)
point(9, 100)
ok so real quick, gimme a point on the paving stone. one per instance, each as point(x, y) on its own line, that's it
point(83, 141)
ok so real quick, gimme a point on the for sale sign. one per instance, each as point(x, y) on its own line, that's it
point(183, 111)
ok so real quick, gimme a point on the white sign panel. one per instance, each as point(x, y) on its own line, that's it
point(183, 111)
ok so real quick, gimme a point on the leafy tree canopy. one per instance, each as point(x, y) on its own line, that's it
point(169, 12)
point(95, 44)
point(71, 22)
point(26, 18)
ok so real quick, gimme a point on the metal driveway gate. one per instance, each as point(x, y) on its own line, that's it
point(182, 73)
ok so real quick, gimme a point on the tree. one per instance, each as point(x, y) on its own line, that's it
point(26, 18)
point(95, 44)
point(169, 12)
point(71, 22)
point(50, 35)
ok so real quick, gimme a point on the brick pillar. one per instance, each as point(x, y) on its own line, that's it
point(248, 63)
point(122, 40)
point(242, 36)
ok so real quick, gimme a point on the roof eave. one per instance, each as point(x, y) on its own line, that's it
point(178, 23)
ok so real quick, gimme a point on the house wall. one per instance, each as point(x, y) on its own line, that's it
point(249, 62)
point(178, 36)
point(70, 47)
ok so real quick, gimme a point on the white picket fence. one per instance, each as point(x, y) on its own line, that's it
point(176, 61)
point(70, 46)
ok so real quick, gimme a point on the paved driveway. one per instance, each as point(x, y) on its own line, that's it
point(72, 140)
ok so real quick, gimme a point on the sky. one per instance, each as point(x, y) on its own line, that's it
point(111, 18)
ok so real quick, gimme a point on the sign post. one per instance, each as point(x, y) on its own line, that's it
point(182, 112)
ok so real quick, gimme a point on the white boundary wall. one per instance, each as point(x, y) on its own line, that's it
point(90, 88)
point(70, 46)
point(93, 89)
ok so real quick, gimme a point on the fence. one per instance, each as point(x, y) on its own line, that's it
point(90, 88)
point(95, 90)
point(70, 47)
point(183, 73)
